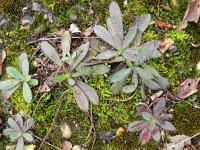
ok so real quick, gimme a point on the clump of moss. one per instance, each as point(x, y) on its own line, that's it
point(11, 7)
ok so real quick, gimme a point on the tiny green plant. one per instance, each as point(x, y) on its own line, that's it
point(153, 123)
point(19, 131)
point(16, 78)
point(130, 48)
point(70, 62)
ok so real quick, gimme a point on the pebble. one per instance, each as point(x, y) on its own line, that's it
point(36, 7)
point(27, 20)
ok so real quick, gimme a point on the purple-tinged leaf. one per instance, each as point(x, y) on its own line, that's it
point(165, 116)
point(20, 144)
point(24, 64)
point(138, 39)
point(145, 136)
point(84, 48)
point(7, 93)
point(28, 124)
point(116, 18)
point(130, 53)
point(106, 55)
point(50, 52)
point(102, 33)
point(141, 108)
point(129, 37)
point(118, 76)
point(151, 84)
point(156, 135)
point(19, 120)
point(89, 92)
point(147, 116)
point(163, 82)
point(65, 43)
point(81, 98)
point(167, 126)
point(159, 107)
point(137, 126)
point(142, 22)
point(117, 86)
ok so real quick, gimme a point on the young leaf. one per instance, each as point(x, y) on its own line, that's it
point(80, 97)
point(106, 55)
point(50, 52)
point(20, 144)
point(118, 76)
point(147, 116)
point(65, 43)
point(141, 108)
point(84, 48)
point(156, 135)
point(24, 64)
point(89, 92)
point(19, 120)
point(8, 84)
point(28, 124)
point(28, 137)
point(13, 124)
point(102, 33)
point(143, 21)
point(117, 86)
point(165, 116)
point(144, 74)
point(116, 18)
point(129, 37)
point(13, 73)
point(27, 94)
point(60, 78)
point(167, 126)
point(33, 82)
point(160, 105)
point(145, 136)
point(8, 131)
point(15, 135)
point(137, 126)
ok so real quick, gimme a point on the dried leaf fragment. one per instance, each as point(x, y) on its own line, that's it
point(66, 145)
point(162, 25)
point(165, 44)
point(187, 88)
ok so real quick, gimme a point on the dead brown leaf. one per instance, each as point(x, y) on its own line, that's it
point(2, 58)
point(88, 31)
point(59, 32)
point(44, 88)
point(187, 88)
point(162, 25)
point(66, 145)
point(192, 14)
point(166, 8)
point(74, 29)
point(156, 95)
point(165, 44)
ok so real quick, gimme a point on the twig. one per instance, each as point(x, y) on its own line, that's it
point(168, 148)
point(53, 121)
point(120, 100)
point(47, 143)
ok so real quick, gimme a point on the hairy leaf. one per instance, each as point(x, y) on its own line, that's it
point(20, 144)
point(28, 124)
point(163, 82)
point(118, 76)
point(7, 93)
point(117, 86)
point(81, 98)
point(19, 120)
point(33, 82)
point(144, 74)
point(27, 94)
point(89, 92)
point(130, 53)
point(15, 135)
point(102, 33)
point(165, 116)
point(50, 52)
point(151, 84)
point(84, 48)
point(8, 84)
point(28, 137)
point(129, 37)
point(116, 18)
point(138, 39)
point(151, 70)
point(60, 78)
point(65, 43)
point(156, 135)
point(141, 108)
point(159, 107)
point(13, 73)
point(137, 126)
point(70, 81)
point(167, 126)
point(129, 88)
point(145, 136)
point(106, 55)
point(8, 131)
point(24, 64)
point(147, 116)
point(143, 21)
point(100, 69)
point(13, 124)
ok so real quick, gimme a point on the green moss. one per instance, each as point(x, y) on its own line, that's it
point(186, 119)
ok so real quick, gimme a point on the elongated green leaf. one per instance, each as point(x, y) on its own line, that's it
point(114, 33)
point(131, 88)
point(163, 82)
point(8, 84)
point(100, 69)
point(24, 64)
point(106, 55)
point(50, 52)
point(102, 33)
point(13, 124)
point(167, 126)
point(27, 94)
point(116, 18)
point(129, 37)
point(8, 131)
point(151, 70)
point(156, 53)
point(120, 75)
point(151, 84)
point(84, 48)
point(137, 126)
point(89, 92)
point(20, 144)
point(81, 98)
point(144, 74)
point(28, 137)
point(13, 73)
point(15, 135)
point(60, 78)
point(130, 53)
point(137, 40)
point(143, 21)
point(65, 43)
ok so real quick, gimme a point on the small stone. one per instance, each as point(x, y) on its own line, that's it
point(25, 10)
point(76, 147)
point(27, 20)
point(36, 7)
